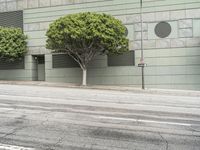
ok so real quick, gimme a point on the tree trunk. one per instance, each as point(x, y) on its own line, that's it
point(84, 80)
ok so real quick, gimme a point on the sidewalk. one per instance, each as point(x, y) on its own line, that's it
point(107, 87)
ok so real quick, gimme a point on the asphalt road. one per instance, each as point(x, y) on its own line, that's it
point(47, 118)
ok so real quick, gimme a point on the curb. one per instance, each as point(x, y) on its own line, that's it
point(131, 89)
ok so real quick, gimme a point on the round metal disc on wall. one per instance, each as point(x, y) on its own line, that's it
point(126, 31)
point(163, 29)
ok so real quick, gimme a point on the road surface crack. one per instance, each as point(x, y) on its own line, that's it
point(60, 140)
point(14, 131)
point(167, 144)
point(194, 130)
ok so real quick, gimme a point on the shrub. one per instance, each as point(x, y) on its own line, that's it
point(13, 43)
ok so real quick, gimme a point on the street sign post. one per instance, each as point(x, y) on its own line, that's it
point(142, 64)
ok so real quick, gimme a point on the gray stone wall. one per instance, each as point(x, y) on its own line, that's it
point(184, 25)
point(182, 21)
point(13, 5)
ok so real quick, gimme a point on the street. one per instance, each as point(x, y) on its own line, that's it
point(53, 118)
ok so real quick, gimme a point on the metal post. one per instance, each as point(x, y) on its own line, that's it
point(142, 52)
point(141, 20)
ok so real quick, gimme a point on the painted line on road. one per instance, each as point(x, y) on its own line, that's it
point(145, 121)
point(13, 147)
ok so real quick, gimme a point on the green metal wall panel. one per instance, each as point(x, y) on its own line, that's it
point(8, 65)
point(125, 59)
point(63, 61)
point(12, 19)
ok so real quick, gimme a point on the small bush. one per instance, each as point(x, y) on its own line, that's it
point(13, 43)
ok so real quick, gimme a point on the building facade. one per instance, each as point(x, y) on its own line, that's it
point(171, 41)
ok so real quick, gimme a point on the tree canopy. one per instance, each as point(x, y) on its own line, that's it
point(13, 43)
point(85, 35)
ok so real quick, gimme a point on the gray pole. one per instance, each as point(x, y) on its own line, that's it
point(142, 52)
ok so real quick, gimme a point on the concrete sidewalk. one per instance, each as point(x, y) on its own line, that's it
point(107, 87)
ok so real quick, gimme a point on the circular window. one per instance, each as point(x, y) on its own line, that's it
point(163, 29)
point(126, 31)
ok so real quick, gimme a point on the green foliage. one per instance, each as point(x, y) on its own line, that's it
point(13, 43)
point(83, 31)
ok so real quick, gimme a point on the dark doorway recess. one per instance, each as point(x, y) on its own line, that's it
point(40, 67)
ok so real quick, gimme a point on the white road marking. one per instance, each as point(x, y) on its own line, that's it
point(145, 121)
point(13, 147)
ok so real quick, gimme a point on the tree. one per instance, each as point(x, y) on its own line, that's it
point(85, 35)
point(13, 43)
